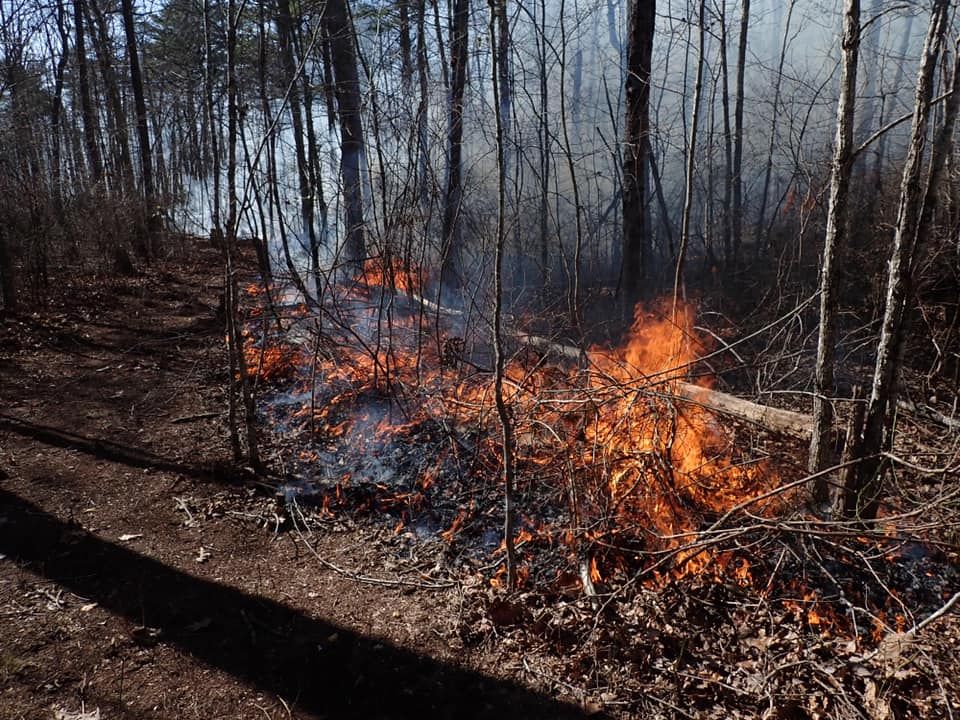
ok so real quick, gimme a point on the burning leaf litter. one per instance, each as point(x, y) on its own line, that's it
point(618, 479)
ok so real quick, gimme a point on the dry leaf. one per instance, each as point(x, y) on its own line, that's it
point(61, 713)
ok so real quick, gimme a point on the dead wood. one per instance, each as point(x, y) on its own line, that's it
point(785, 422)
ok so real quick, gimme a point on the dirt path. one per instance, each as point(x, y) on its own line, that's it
point(140, 575)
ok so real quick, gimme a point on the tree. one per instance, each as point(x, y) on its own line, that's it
point(143, 132)
point(834, 242)
point(342, 39)
point(451, 241)
point(90, 124)
point(636, 260)
point(863, 490)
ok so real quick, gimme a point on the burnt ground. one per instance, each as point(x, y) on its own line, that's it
point(143, 574)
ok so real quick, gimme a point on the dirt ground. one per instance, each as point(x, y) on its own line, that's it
point(142, 575)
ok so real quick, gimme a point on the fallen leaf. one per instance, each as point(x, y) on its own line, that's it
point(61, 713)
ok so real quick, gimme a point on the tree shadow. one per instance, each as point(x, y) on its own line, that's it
point(109, 450)
point(319, 667)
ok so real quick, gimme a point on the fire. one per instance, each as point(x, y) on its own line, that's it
point(668, 464)
point(391, 273)
point(271, 362)
point(651, 468)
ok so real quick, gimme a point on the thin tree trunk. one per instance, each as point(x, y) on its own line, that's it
point(775, 116)
point(506, 423)
point(878, 432)
point(232, 308)
point(727, 143)
point(143, 133)
point(216, 230)
point(678, 287)
point(738, 133)
point(833, 244)
point(285, 36)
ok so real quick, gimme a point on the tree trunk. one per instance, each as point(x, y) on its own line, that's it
point(678, 288)
point(503, 412)
point(450, 260)
point(284, 23)
point(101, 43)
point(636, 244)
point(878, 432)
point(834, 243)
point(738, 133)
point(774, 117)
point(90, 125)
point(143, 133)
point(339, 26)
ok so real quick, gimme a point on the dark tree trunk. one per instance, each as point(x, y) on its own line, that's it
point(635, 271)
point(738, 133)
point(406, 60)
point(90, 125)
point(450, 267)
point(101, 43)
point(339, 27)
point(139, 101)
point(291, 81)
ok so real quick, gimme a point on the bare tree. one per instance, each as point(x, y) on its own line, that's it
point(834, 242)
point(90, 124)
point(636, 242)
point(143, 132)
point(864, 489)
point(450, 249)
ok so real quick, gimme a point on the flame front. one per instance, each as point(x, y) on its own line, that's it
point(648, 467)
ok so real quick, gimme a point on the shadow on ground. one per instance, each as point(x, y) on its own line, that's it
point(108, 450)
point(319, 667)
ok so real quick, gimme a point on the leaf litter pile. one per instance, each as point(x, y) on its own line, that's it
point(666, 565)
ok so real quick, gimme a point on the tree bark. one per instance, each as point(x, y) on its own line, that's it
point(101, 43)
point(834, 243)
point(678, 288)
point(503, 411)
point(450, 260)
point(878, 431)
point(738, 133)
point(143, 133)
point(90, 125)
point(340, 32)
point(636, 243)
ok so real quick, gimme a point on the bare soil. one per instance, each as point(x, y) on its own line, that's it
point(143, 574)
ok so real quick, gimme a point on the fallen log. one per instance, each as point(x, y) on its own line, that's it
point(786, 422)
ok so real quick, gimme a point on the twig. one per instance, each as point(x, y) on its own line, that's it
point(192, 418)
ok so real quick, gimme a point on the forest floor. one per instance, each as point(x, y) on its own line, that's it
point(140, 571)
point(143, 574)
